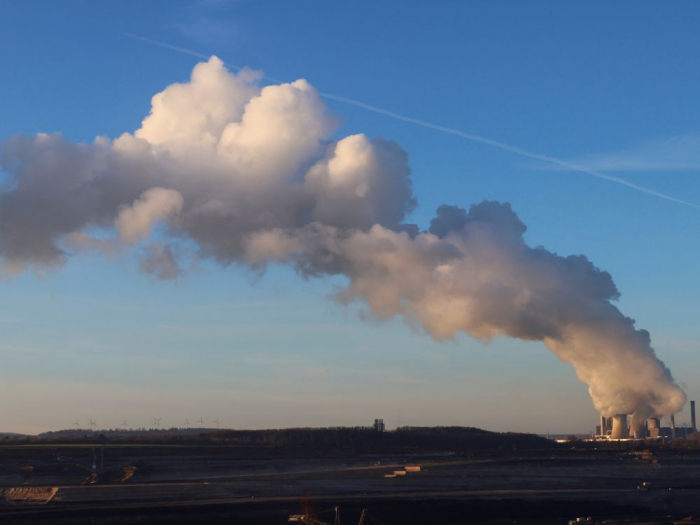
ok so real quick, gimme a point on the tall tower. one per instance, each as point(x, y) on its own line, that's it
point(692, 415)
point(673, 426)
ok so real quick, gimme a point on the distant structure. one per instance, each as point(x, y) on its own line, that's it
point(640, 432)
point(673, 426)
point(654, 427)
point(379, 425)
point(619, 427)
point(692, 416)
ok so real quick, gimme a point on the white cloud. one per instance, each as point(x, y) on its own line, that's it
point(254, 176)
point(191, 116)
point(361, 182)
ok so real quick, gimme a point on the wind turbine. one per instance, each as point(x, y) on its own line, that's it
point(201, 422)
point(187, 424)
point(156, 421)
point(77, 423)
point(124, 424)
point(93, 424)
point(216, 422)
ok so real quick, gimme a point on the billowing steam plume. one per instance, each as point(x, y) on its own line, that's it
point(252, 176)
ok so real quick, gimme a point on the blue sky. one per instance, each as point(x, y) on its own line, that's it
point(589, 83)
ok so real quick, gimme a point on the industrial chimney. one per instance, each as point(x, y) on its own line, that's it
point(673, 426)
point(692, 415)
point(619, 427)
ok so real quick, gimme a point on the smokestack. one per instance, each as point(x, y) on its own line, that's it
point(673, 426)
point(619, 427)
point(692, 415)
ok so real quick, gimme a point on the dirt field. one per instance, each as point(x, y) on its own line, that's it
point(211, 484)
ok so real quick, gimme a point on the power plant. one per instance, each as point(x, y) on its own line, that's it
point(617, 427)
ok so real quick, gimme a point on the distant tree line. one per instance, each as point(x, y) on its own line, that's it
point(309, 438)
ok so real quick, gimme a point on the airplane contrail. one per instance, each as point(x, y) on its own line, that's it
point(451, 131)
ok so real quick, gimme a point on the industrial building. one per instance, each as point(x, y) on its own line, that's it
point(617, 427)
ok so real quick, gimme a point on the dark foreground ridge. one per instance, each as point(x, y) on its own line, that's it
point(415, 475)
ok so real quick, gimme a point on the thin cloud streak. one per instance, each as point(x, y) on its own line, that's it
point(672, 154)
point(451, 131)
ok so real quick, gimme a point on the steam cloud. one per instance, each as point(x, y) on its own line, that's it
point(252, 176)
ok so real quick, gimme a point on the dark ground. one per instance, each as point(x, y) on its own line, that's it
point(184, 484)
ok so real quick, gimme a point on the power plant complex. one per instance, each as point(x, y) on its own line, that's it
point(617, 427)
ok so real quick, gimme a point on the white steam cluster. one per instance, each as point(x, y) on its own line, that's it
point(252, 176)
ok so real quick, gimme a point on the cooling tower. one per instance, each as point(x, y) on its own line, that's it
point(619, 427)
point(654, 427)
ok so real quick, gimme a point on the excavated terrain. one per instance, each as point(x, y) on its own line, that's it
point(223, 484)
